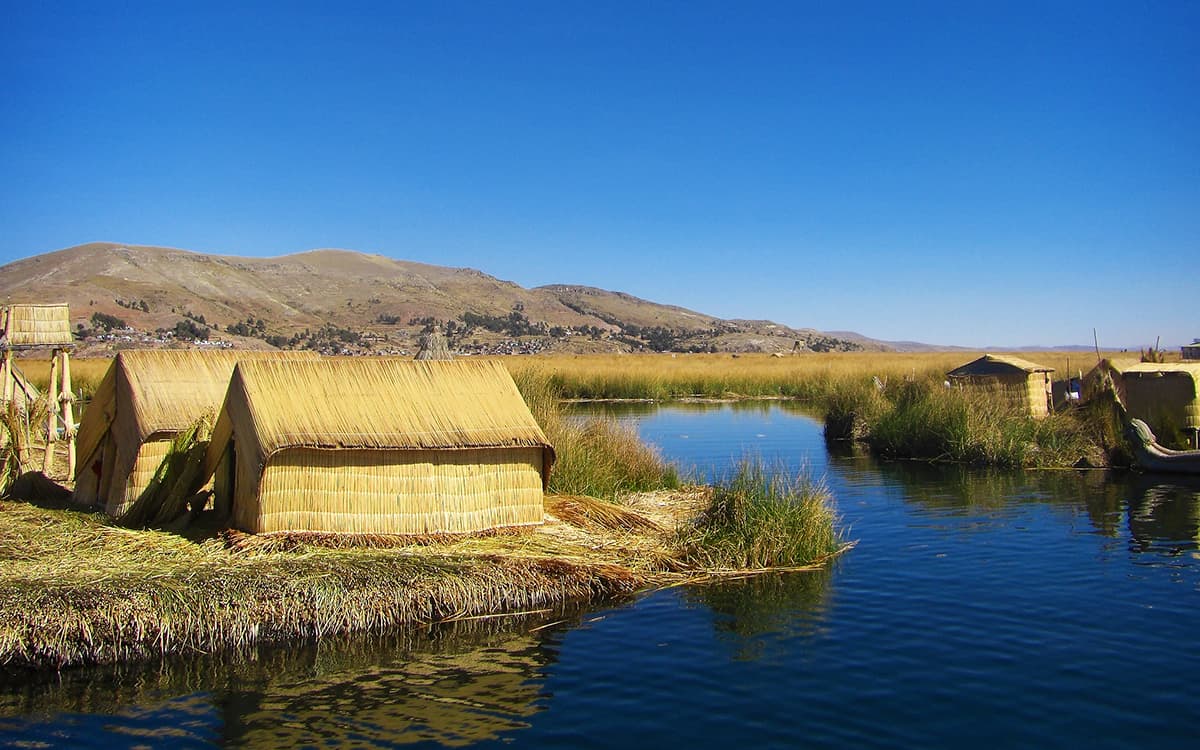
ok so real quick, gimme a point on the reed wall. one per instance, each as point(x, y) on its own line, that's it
point(408, 492)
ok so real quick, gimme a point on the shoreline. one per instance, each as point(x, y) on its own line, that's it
point(174, 595)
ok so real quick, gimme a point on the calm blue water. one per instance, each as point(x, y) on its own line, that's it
point(1002, 609)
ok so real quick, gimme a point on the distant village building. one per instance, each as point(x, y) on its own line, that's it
point(1192, 350)
point(1025, 385)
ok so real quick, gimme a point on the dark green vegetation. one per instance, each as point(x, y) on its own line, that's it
point(923, 419)
point(761, 518)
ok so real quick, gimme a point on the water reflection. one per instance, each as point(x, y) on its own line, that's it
point(757, 617)
point(454, 688)
point(1160, 513)
point(977, 604)
point(1164, 513)
point(620, 409)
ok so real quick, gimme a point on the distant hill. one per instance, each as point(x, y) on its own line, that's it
point(338, 300)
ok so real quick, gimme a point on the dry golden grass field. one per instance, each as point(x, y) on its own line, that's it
point(663, 376)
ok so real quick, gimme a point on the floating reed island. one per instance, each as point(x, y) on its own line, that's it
point(399, 494)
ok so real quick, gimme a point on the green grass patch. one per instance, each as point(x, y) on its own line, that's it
point(923, 419)
point(596, 456)
point(759, 519)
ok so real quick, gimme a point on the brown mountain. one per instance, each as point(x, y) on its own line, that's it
point(341, 299)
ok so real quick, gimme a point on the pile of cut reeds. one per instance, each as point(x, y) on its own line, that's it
point(178, 478)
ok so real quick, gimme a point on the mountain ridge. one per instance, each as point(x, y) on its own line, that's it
point(371, 302)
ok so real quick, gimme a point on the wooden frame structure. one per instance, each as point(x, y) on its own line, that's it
point(39, 327)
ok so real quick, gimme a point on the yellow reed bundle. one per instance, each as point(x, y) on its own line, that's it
point(38, 325)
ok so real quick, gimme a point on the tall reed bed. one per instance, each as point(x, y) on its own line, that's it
point(761, 518)
point(596, 457)
point(86, 373)
point(809, 377)
point(923, 419)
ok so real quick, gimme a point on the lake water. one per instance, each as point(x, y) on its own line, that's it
point(1001, 609)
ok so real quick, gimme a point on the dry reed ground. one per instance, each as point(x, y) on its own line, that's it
point(121, 594)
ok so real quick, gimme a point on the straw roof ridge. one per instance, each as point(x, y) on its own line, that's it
point(995, 364)
point(1190, 368)
point(169, 388)
point(159, 391)
point(381, 404)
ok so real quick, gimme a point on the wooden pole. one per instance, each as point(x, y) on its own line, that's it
point(4, 400)
point(8, 376)
point(52, 407)
point(67, 398)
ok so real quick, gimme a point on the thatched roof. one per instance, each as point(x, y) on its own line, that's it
point(994, 364)
point(35, 325)
point(1163, 368)
point(160, 391)
point(374, 404)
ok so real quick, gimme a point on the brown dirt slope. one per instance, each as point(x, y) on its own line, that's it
point(365, 293)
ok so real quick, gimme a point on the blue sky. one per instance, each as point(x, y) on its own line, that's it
point(971, 173)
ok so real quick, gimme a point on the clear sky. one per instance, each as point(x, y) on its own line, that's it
point(973, 173)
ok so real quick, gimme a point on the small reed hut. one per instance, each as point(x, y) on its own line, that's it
point(433, 346)
point(1163, 395)
point(1025, 385)
point(145, 399)
point(370, 446)
point(40, 327)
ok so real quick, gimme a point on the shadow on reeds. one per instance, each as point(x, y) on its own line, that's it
point(454, 685)
point(37, 489)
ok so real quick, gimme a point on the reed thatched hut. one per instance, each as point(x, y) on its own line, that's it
point(32, 327)
point(433, 347)
point(377, 447)
point(1025, 385)
point(1163, 395)
point(144, 400)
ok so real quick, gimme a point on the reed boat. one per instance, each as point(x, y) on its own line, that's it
point(1153, 457)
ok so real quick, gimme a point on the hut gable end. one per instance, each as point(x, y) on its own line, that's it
point(1021, 383)
point(144, 399)
point(379, 447)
